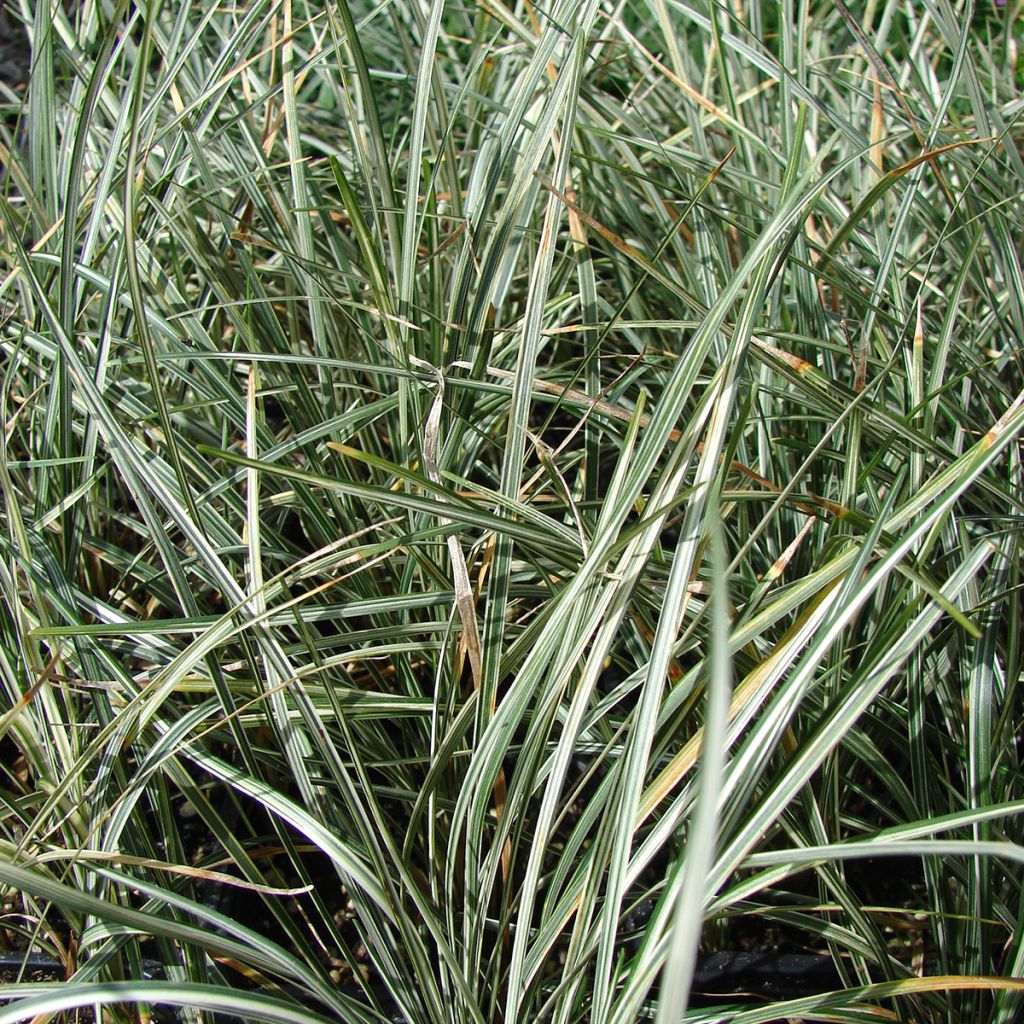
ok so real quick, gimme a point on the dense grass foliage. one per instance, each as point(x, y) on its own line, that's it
point(497, 498)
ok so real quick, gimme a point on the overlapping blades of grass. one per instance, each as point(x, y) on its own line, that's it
point(673, 344)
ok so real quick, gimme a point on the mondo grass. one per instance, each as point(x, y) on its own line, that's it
point(500, 500)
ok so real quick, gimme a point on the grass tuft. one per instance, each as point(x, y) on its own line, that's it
point(498, 500)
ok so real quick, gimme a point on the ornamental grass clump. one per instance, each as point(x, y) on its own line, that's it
point(503, 501)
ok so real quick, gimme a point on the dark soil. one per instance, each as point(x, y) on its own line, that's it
point(14, 53)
